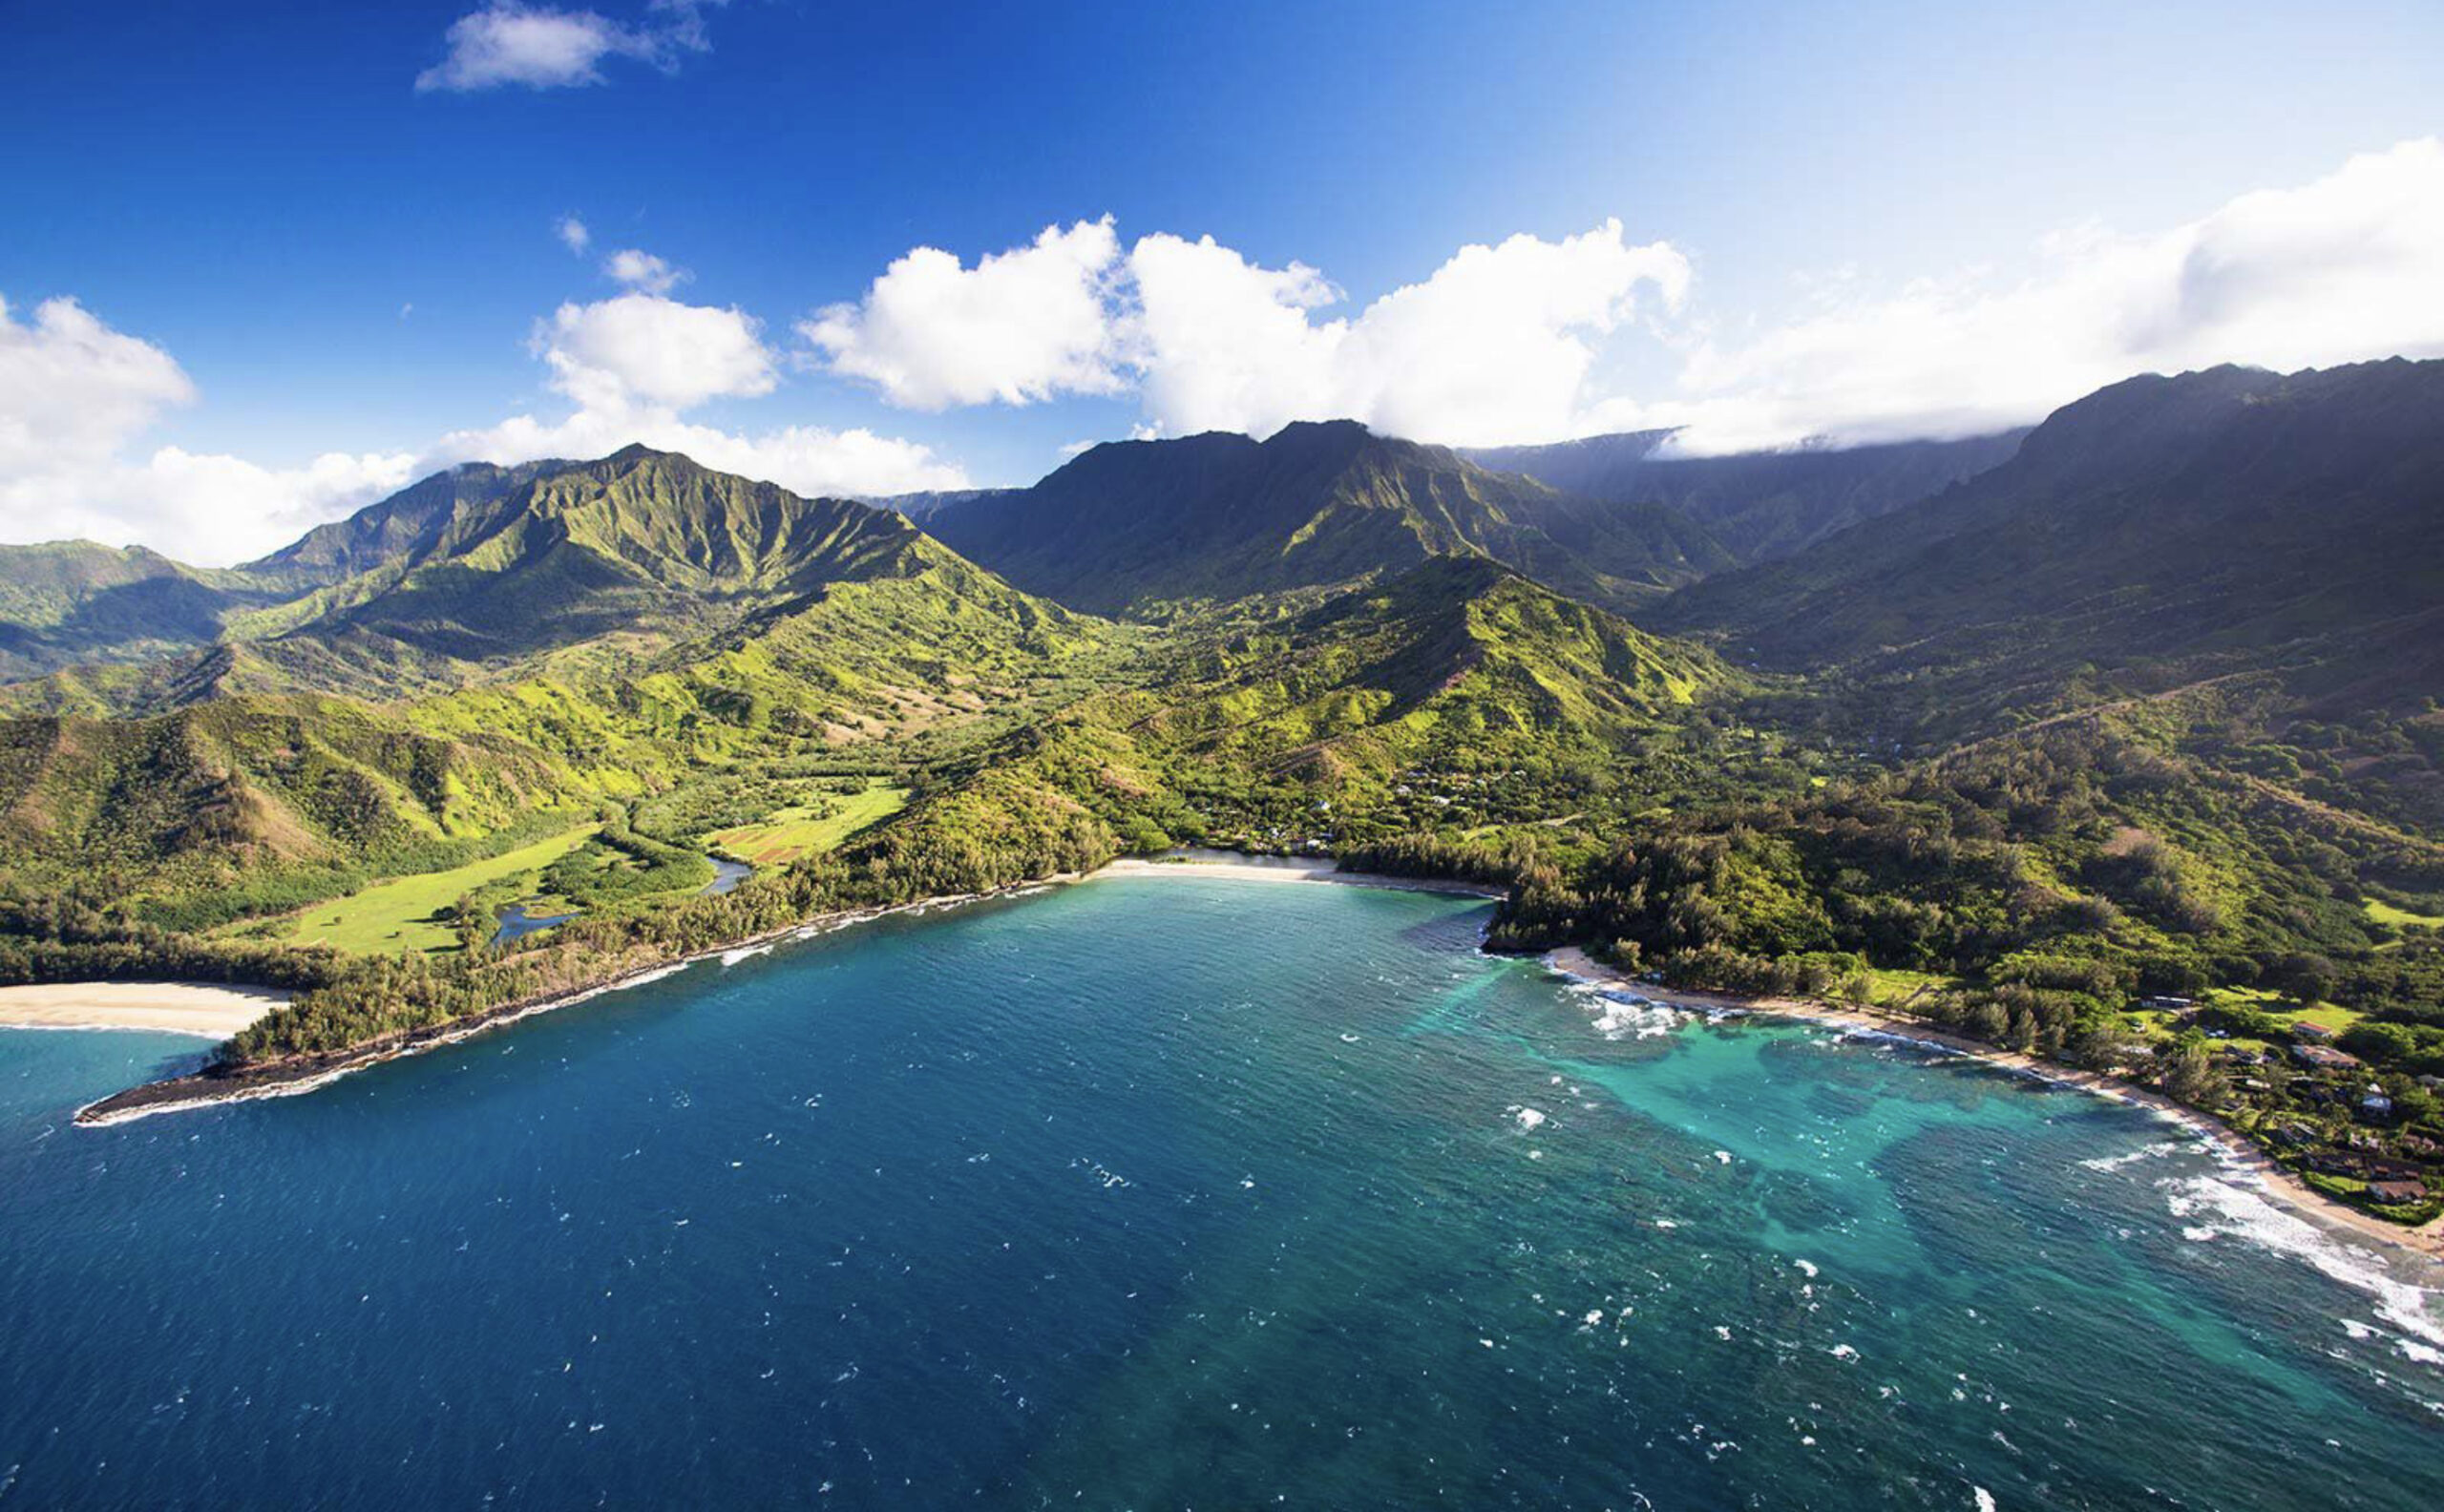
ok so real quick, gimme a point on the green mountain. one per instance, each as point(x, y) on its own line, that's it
point(75, 605)
point(1139, 525)
point(2147, 707)
point(406, 524)
point(1761, 505)
point(2162, 529)
point(590, 632)
point(1456, 659)
point(259, 784)
point(643, 543)
point(64, 602)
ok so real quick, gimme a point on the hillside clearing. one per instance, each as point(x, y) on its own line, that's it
point(793, 833)
point(401, 915)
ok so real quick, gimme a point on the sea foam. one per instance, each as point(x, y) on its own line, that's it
point(2216, 1207)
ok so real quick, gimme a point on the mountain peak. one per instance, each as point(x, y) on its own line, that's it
point(1158, 524)
point(639, 451)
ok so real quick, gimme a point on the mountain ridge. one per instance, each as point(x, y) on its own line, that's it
point(1763, 505)
point(1218, 516)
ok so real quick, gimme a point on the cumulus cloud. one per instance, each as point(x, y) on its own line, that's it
point(574, 234)
point(540, 47)
point(1496, 342)
point(72, 389)
point(1494, 346)
point(75, 395)
point(1022, 325)
point(2345, 268)
point(642, 270)
point(643, 348)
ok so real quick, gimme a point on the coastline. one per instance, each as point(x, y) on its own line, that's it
point(304, 1074)
point(210, 1010)
point(188, 1008)
point(2238, 1150)
point(294, 1077)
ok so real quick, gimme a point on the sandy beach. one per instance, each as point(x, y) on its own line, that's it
point(2278, 1183)
point(1231, 865)
point(194, 1008)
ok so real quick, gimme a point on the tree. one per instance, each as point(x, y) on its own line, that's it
point(2191, 1075)
point(2302, 977)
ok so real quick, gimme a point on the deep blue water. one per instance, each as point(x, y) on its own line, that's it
point(1170, 1192)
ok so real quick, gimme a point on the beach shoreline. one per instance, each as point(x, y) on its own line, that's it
point(240, 1006)
point(209, 1009)
point(304, 1074)
point(2236, 1149)
point(1231, 866)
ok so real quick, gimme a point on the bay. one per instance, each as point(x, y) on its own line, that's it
point(1172, 1192)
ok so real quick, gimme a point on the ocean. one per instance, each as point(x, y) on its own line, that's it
point(1172, 1192)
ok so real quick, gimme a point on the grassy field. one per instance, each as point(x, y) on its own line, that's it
point(2333, 1016)
point(2401, 917)
point(1894, 988)
point(398, 915)
point(789, 834)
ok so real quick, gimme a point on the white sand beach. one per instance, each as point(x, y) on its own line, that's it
point(1235, 866)
point(195, 1008)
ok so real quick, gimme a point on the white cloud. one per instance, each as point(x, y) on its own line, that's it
point(1495, 346)
point(72, 389)
point(642, 348)
point(574, 234)
point(2346, 268)
point(1020, 326)
point(540, 47)
point(642, 270)
point(1224, 344)
point(1496, 343)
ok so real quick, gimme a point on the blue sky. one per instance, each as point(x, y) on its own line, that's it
point(336, 261)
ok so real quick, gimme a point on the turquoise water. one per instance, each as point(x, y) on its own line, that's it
point(1159, 1193)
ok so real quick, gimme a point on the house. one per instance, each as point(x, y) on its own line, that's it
point(2304, 1029)
point(2376, 1107)
point(2397, 1194)
point(2317, 1057)
point(2166, 1004)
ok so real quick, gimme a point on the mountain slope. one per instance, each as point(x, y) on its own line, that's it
point(406, 524)
point(238, 788)
point(1216, 518)
point(2222, 556)
point(2231, 510)
point(63, 603)
point(1761, 505)
point(640, 543)
point(1457, 659)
